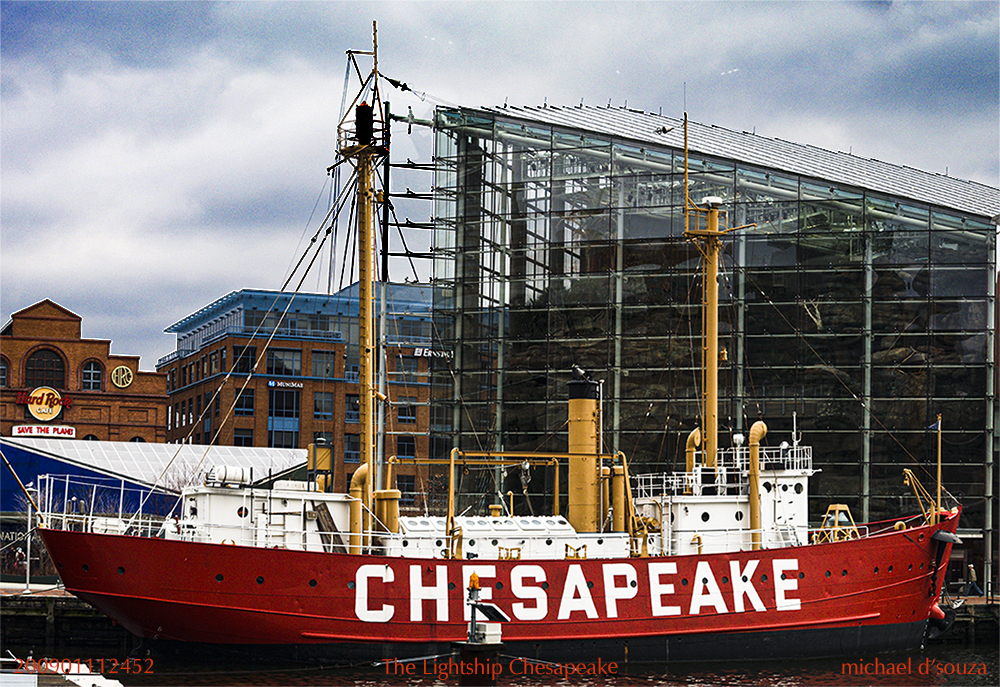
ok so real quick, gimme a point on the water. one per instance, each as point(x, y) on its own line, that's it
point(941, 664)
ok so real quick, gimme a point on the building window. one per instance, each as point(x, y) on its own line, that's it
point(242, 437)
point(91, 437)
point(244, 403)
point(352, 408)
point(440, 417)
point(407, 409)
point(406, 446)
point(323, 405)
point(411, 330)
point(406, 369)
point(282, 362)
point(407, 485)
point(91, 376)
point(324, 364)
point(352, 364)
point(283, 418)
point(45, 368)
point(3, 373)
point(352, 373)
point(352, 448)
point(245, 358)
point(325, 436)
point(137, 440)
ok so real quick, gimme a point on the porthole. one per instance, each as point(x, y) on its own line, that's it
point(843, 573)
point(802, 576)
point(437, 543)
point(548, 542)
point(312, 583)
point(705, 516)
point(494, 542)
point(767, 487)
point(219, 577)
point(920, 538)
point(633, 584)
point(910, 566)
point(451, 585)
point(590, 584)
point(242, 512)
point(890, 568)
point(784, 487)
point(798, 487)
point(121, 570)
point(406, 543)
point(59, 565)
point(260, 580)
point(350, 584)
point(86, 568)
point(472, 542)
point(725, 580)
point(827, 573)
point(600, 541)
point(744, 578)
point(739, 515)
point(684, 582)
point(763, 578)
point(921, 566)
point(704, 580)
point(545, 585)
point(499, 585)
point(876, 570)
point(783, 576)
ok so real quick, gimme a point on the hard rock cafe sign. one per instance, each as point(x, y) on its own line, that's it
point(44, 403)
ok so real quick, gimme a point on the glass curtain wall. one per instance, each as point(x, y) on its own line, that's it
point(854, 317)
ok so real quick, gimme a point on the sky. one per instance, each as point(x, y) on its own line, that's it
point(156, 156)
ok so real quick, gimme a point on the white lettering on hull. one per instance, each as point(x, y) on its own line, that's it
point(438, 593)
point(621, 583)
point(522, 611)
point(361, 609)
point(742, 586)
point(576, 594)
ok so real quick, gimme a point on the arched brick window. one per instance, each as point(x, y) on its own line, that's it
point(45, 367)
point(92, 376)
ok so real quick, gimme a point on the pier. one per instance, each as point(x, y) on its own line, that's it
point(977, 619)
point(48, 621)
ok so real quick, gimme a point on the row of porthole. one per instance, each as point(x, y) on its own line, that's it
point(260, 579)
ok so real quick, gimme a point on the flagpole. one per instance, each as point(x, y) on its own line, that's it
point(937, 513)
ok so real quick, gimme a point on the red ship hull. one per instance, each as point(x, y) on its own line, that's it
point(865, 595)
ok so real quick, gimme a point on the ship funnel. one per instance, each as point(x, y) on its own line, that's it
point(584, 447)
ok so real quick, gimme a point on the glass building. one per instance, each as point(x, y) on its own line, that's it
point(860, 305)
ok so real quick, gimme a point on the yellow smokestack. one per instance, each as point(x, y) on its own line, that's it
point(584, 478)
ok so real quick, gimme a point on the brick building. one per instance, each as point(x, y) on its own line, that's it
point(55, 383)
point(274, 369)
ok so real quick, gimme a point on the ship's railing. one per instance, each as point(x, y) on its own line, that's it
point(730, 475)
point(101, 505)
point(274, 536)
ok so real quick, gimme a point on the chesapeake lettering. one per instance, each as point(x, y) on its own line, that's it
point(535, 596)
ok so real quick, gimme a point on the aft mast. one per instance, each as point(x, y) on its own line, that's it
point(708, 241)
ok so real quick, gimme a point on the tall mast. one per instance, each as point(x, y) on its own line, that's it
point(360, 145)
point(708, 241)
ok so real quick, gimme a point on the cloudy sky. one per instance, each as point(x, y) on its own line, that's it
point(156, 156)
